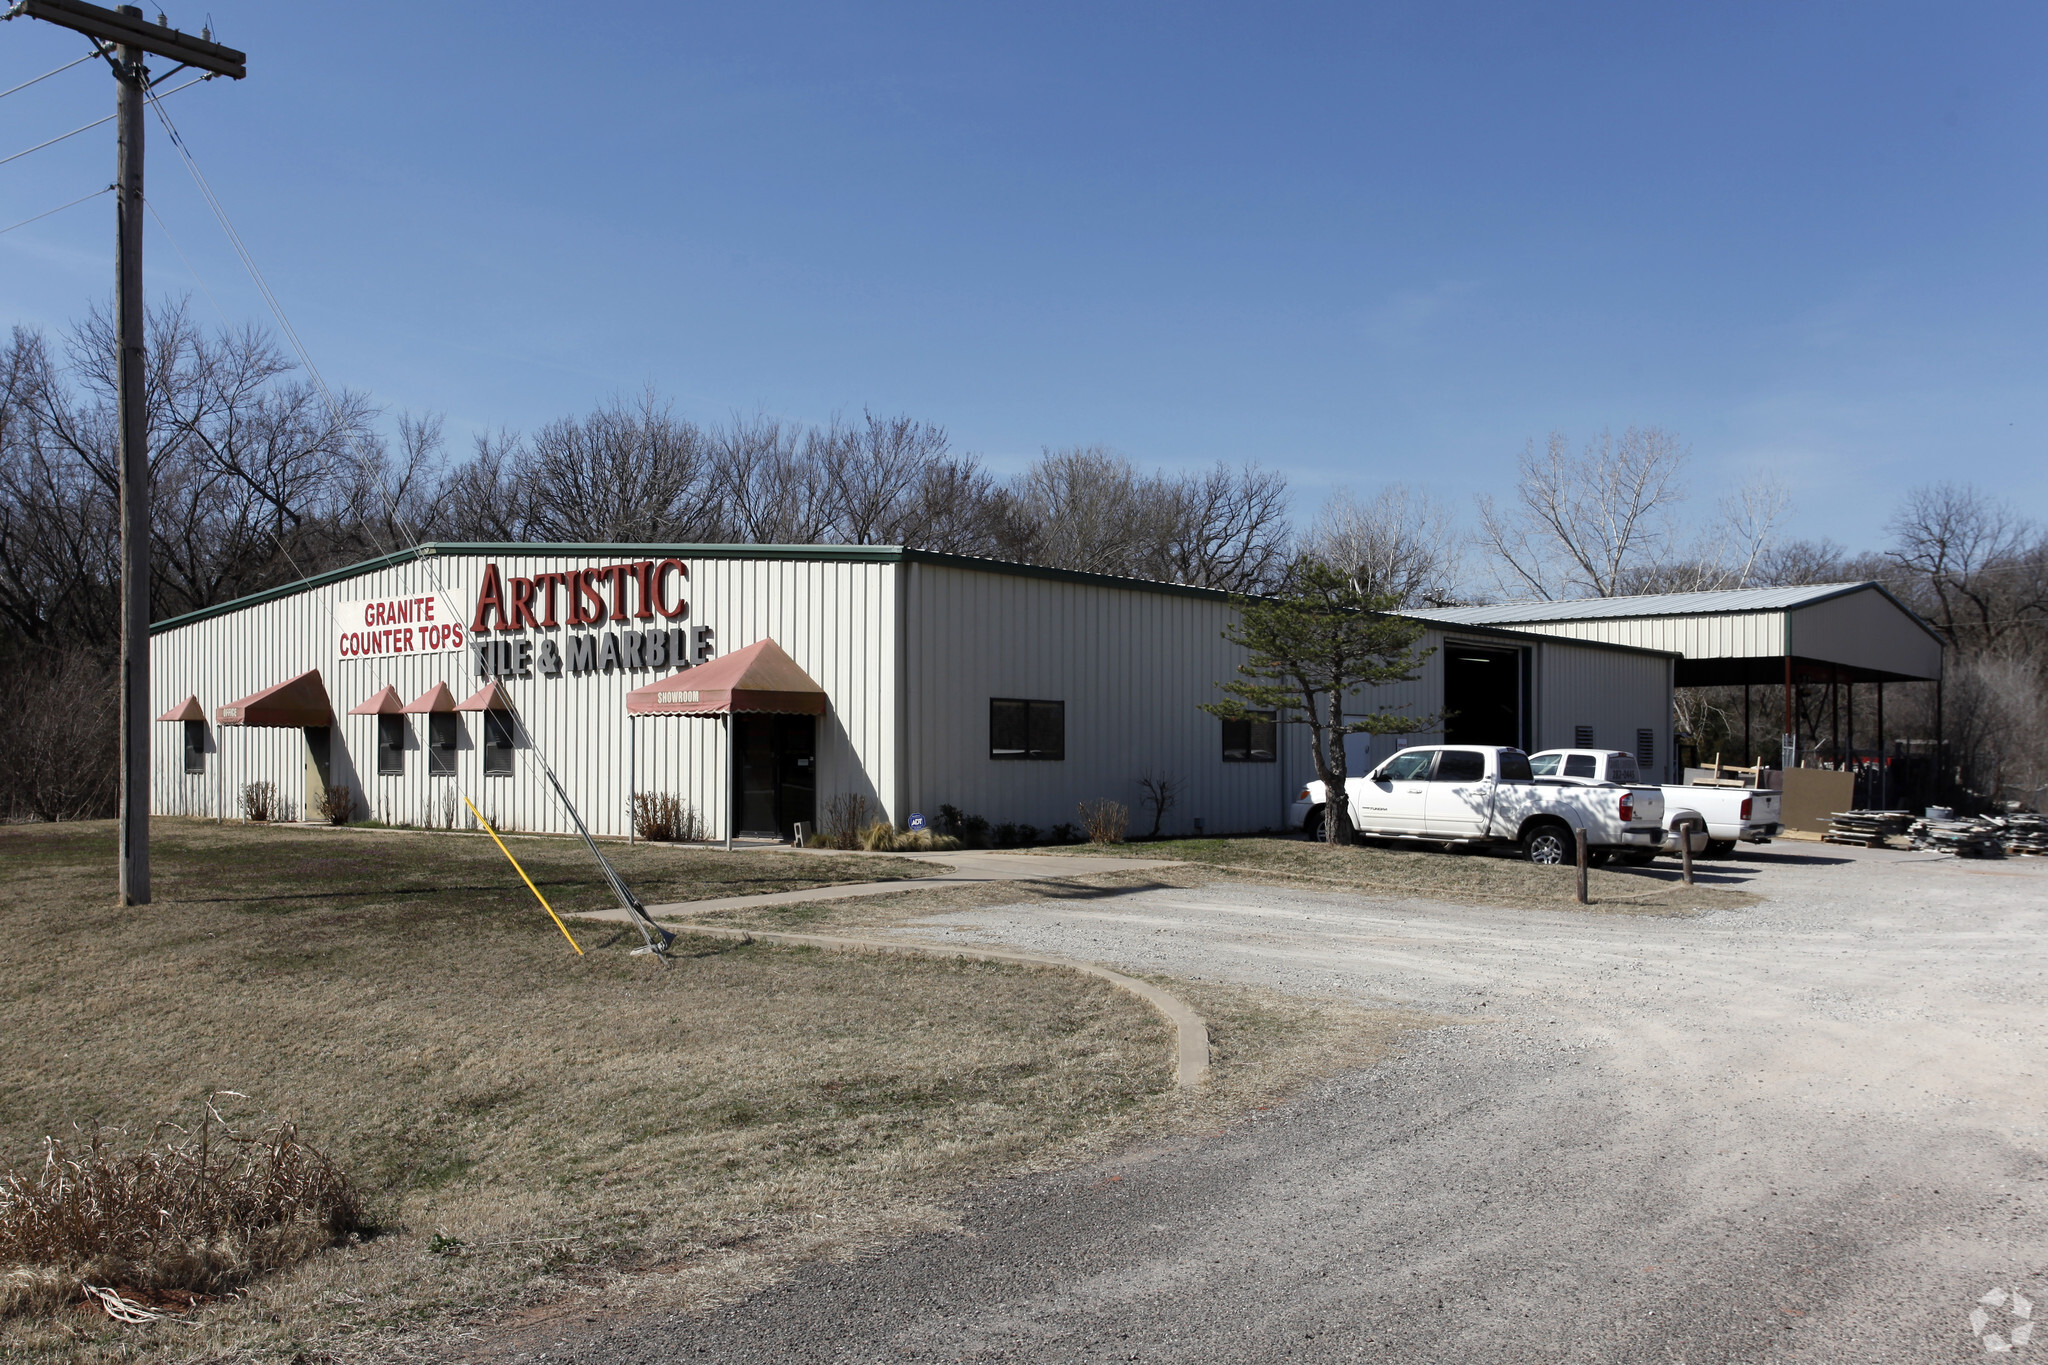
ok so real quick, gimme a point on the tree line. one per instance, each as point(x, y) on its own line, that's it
point(262, 476)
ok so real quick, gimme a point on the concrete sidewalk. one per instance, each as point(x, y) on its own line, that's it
point(968, 867)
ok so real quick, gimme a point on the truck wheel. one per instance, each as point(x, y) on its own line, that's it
point(1549, 845)
point(1313, 826)
point(1719, 848)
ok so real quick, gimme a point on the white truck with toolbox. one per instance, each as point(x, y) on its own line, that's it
point(1728, 814)
point(1469, 795)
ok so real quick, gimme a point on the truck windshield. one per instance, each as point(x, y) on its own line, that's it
point(1515, 766)
point(1545, 765)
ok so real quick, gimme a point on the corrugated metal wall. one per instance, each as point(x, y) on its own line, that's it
point(1736, 635)
point(1865, 630)
point(1133, 667)
point(837, 620)
point(1615, 693)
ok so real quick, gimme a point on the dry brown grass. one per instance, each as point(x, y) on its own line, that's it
point(540, 1131)
point(1469, 878)
point(196, 1213)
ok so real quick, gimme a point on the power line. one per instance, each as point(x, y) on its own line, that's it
point(47, 74)
point(59, 209)
point(193, 269)
point(88, 127)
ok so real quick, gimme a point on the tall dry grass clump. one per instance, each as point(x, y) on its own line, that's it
point(662, 818)
point(202, 1213)
point(1105, 821)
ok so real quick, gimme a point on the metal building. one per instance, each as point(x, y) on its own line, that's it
point(1833, 634)
point(756, 682)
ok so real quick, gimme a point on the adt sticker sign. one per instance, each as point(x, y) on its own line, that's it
point(386, 626)
point(916, 821)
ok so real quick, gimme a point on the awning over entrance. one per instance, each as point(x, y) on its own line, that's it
point(760, 677)
point(435, 698)
point(489, 697)
point(383, 702)
point(296, 703)
point(188, 709)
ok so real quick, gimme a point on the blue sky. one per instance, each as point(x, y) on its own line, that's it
point(1361, 243)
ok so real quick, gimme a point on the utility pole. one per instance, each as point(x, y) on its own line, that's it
point(126, 41)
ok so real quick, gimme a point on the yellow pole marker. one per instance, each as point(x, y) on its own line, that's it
point(522, 875)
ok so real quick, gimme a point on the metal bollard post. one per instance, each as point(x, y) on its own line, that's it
point(1579, 837)
point(1685, 830)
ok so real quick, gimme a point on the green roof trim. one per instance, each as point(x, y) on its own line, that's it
point(817, 554)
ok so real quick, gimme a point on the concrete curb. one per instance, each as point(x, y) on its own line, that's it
point(1191, 1032)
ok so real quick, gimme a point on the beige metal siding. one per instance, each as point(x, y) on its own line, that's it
point(1865, 630)
point(1616, 694)
point(835, 619)
point(1745, 635)
point(1132, 666)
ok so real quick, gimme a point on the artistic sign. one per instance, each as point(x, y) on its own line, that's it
point(391, 627)
point(569, 604)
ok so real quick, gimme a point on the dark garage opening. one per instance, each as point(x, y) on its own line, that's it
point(1482, 695)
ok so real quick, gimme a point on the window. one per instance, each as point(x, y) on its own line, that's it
point(497, 742)
point(391, 745)
point(1514, 766)
point(1582, 736)
point(442, 729)
point(1581, 765)
point(1460, 765)
point(1545, 765)
point(1412, 766)
point(1622, 768)
point(1027, 729)
point(1646, 750)
point(195, 746)
point(1249, 739)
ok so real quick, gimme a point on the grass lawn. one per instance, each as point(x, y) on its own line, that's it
point(1430, 874)
point(541, 1133)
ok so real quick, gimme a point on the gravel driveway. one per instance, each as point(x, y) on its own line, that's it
point(1810, 1129)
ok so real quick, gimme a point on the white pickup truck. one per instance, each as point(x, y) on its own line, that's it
point(1469, 795)
point(1749, 814)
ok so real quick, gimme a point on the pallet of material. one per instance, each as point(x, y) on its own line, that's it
point(1867, 828)
point(2022, 832)
point(1975, 837)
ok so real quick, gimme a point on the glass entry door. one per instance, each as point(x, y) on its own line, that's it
point(775, 766)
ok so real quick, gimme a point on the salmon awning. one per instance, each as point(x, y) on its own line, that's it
point(435, 698)
point(489, 697)
point(758, 678)
point(383, 702)
point(188, 709)
point(295, 703)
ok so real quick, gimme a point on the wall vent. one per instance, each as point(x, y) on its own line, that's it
point(1582, 737)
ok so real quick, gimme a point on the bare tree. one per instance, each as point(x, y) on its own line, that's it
point(1978, 568)
point(1400, 544)
point(1229, 529)
point(1581, 522)
point(621, 474)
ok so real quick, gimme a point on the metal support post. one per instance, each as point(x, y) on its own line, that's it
point(732, 805)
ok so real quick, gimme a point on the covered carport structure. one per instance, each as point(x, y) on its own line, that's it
point(1832, 634)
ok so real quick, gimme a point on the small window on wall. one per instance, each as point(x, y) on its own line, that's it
point(195, 746)
point(390, 745)
point(497, 742)
point(1027, 729)
point(1249, 739)
point(442, 729)
point(1646, 750)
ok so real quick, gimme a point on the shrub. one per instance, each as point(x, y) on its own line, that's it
point(879, 837)
point(202, 1215)
point(1006, 835)
point(660, 818)
point(1027, 834)
point(951, 820)
point(259, 801)
point(1064, 833)
point(924, 841)
point(338, 804)
point(1105, 821)
point(846, 816)
point(973, 832)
